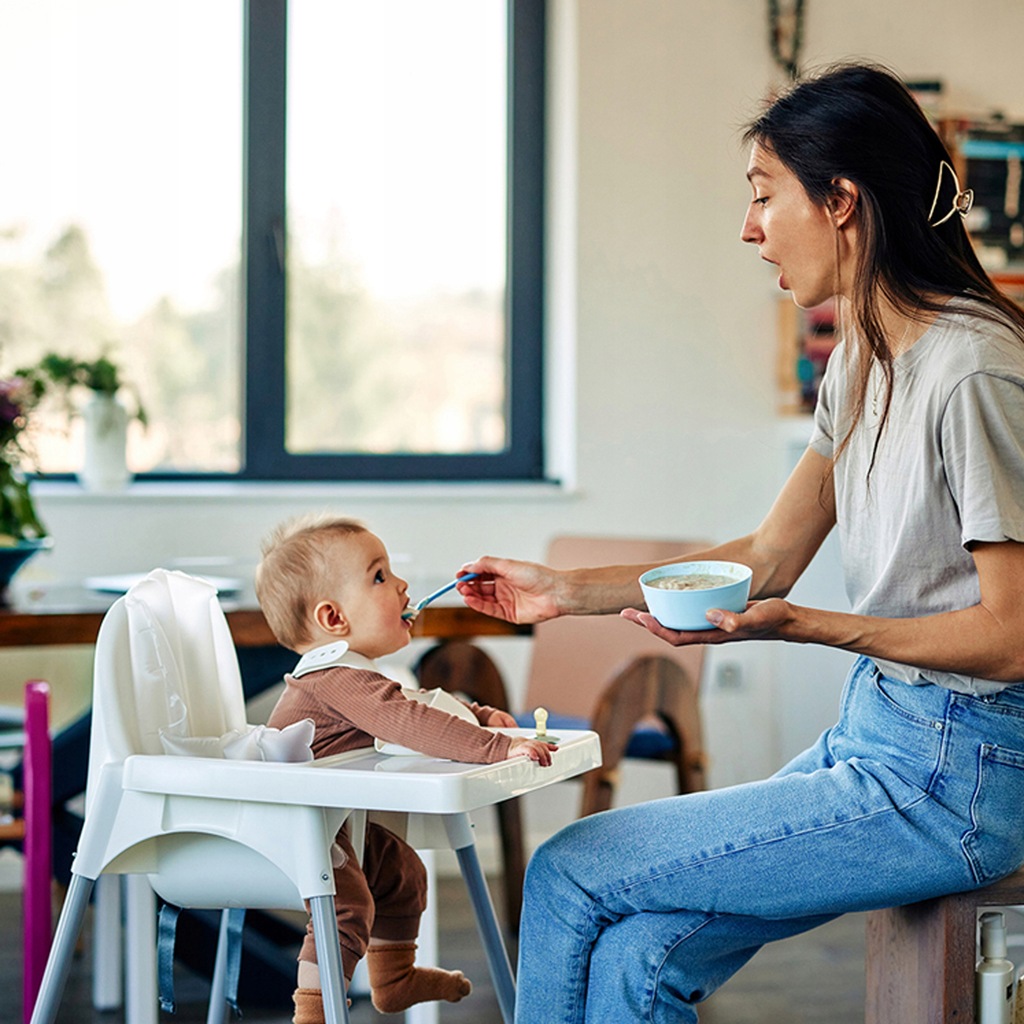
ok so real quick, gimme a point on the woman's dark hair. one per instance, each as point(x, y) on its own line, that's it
point(859, 122)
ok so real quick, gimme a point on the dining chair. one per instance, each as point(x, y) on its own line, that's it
point(211, 832)
point(639, 694)
point(29, 828)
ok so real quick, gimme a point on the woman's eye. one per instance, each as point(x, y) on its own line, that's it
point(761, 199)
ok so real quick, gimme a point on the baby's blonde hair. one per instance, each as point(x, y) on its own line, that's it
point(293, 573)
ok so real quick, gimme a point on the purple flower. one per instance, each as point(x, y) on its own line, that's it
point(12, 393)
point(15, 400)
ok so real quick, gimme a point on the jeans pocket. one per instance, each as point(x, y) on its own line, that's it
point(994, 844)
point(915, 704)
point(899, 726)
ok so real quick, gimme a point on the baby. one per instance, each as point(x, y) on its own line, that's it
point(328, 593)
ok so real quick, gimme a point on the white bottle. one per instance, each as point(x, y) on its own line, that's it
point(994, 976)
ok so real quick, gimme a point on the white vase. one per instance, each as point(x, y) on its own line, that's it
point(105, 467)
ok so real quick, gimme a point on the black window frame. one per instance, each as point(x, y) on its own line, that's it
point(264, 456)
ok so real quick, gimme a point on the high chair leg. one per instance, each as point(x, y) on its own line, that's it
point(140, 1003)
point(328, 958)
point(460, 836)
point(107, 945)
point(216, 1012)
point(62, 951)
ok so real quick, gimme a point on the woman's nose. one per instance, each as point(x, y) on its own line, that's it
point(751, 230)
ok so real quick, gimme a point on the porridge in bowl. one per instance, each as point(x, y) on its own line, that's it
point(692, 581)
point(679, 595)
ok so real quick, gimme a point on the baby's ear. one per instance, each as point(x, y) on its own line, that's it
point(330, 618)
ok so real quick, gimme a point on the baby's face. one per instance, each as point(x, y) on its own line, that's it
point(372, 597)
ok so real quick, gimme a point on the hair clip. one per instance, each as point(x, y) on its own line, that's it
point(963, 200)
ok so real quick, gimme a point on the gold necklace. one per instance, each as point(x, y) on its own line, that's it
point(877, 389)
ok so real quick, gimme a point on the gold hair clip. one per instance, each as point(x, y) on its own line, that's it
point(962, 201)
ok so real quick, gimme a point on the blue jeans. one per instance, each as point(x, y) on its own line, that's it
point(638, 914)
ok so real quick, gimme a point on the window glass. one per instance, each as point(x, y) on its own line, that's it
point(396, 210)
point(120, 213)
point(362, 325)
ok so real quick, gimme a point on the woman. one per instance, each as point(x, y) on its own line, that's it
point(917, 455)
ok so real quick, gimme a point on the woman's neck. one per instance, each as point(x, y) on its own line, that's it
point(902, 330)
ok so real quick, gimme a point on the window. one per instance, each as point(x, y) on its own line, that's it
point(120, 212)
point(353, 188)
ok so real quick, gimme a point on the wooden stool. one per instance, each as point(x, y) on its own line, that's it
point(921, 958)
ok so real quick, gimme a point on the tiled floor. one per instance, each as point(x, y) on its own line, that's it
point(816, 978)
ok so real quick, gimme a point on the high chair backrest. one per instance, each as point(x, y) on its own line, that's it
point(165, 669)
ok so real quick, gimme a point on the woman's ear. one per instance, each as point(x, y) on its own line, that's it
point(330, 618)
point(842, 204)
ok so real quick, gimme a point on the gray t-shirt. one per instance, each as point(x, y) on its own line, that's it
point(949, 472)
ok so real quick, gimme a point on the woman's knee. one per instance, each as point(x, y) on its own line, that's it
point(566, 859)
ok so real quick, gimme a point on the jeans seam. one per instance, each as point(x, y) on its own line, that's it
point(987, 752)
point(699, 862)
point(578, 1006)
point(656, 974)
point(971, 833)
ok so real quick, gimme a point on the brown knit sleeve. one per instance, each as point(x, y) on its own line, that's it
point(376, 705)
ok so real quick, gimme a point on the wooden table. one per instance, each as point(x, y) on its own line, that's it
point(73, 616)
point(29, 627)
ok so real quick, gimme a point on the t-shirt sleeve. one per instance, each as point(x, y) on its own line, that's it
point(982, 436)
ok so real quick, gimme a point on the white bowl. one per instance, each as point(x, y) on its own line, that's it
point(686, 609)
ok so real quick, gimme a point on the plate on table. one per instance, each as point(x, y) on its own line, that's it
point(227, 586)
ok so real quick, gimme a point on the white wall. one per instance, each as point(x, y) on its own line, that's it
point(662, 328)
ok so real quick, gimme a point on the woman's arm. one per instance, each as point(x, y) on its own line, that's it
point(985, 640)
point(778, 551)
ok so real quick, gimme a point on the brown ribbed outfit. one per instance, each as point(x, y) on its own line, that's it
point(350, 707)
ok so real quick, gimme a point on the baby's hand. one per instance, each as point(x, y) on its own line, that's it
point(501, 720)
point(535, 750)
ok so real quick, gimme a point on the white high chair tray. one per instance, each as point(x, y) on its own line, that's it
point(366, 780)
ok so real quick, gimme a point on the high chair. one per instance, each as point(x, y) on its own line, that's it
point(216, 833)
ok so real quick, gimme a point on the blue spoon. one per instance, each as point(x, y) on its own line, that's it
point(411, 613)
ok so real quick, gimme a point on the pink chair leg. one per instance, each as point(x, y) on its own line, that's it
point(38, 840)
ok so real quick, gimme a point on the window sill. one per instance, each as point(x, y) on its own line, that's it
point(70, 492)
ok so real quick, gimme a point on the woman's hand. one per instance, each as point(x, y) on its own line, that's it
point(515, 591)
point(761, 620)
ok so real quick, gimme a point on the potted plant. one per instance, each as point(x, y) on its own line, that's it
point(22, 533)
point(104, 413)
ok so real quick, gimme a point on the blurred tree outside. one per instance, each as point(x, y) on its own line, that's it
point(421, 374)
point(367, 375)
point(184, 366)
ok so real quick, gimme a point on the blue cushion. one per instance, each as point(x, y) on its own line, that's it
point(647, 741)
